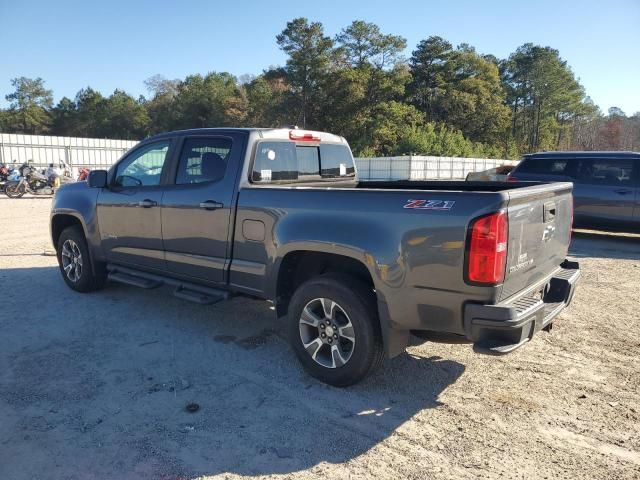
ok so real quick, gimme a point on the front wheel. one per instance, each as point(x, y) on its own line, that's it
point(75, 264)
point(14, 190)
point(334, 329)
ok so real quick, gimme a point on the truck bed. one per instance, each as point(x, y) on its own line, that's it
point(431, 185)
point(439, 185)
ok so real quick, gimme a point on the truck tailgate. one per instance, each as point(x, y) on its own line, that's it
point(540, 220)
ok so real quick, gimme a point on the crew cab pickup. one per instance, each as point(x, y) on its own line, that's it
point(359, 269)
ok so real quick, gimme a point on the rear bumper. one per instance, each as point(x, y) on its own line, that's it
point(502, 328)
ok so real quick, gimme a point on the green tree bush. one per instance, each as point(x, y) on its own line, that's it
point(442, 100)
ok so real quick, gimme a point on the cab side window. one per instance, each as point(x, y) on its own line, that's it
point(203, 160)
point(143, 167)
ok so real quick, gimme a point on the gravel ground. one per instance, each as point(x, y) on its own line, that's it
point(95, 386)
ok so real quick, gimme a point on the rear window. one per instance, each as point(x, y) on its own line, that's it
point(337, 162)
point(287, 162)
point(545, 166)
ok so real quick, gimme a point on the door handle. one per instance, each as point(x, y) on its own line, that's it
point(623, 191)
point(146, 203)
point(211, 205)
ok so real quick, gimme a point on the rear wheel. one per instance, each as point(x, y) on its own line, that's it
point(14, 190)
point(334, 329)
point(75, 263)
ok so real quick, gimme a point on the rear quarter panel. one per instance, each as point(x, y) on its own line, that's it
point(415, 256)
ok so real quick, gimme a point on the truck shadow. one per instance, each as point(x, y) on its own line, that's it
point(111, 373)
point(588, 243)
point(27, 196)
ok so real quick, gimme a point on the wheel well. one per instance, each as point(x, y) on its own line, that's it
point(298, 267)
point(59, 223)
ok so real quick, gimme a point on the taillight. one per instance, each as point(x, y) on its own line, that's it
point(487, 253)
point(511, 178)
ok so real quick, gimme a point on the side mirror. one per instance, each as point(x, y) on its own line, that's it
point(97, 179)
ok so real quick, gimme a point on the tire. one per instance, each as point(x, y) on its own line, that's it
point(356, 306)
point(78, 274)
point(12, 190)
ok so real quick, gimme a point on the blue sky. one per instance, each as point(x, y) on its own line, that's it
point(118, 44)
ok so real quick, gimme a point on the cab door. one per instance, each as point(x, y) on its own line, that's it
point(604, 192)
point(198, 206)
point(129, 208)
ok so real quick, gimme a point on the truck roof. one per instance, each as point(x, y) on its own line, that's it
point(272, 133)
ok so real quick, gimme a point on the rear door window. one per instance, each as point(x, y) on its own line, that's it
point(613, 171)
point(203, 160)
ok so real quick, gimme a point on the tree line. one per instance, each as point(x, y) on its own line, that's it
point(442, 100)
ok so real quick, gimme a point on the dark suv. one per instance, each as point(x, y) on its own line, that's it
point(606, 185)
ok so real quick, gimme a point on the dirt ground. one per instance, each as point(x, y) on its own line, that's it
point(95, 386)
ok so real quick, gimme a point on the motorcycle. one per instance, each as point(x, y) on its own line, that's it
point(4, 176)
point(34, 182)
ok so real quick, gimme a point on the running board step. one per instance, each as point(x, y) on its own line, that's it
point(200, 297)
point(134, 280)
point(184, 290)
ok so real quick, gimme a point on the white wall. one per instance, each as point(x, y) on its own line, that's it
point(78, 152)
point(420, 167)
point(102, 153)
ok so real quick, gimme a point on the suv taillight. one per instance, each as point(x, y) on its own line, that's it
point(487, 254)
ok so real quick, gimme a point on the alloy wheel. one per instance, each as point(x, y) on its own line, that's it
point(327, 333)
point(71, 260)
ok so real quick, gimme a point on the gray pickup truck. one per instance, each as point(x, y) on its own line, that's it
point(357, 268)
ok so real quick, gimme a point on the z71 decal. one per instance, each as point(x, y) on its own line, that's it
point(430, 204)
